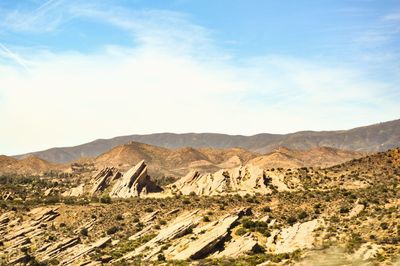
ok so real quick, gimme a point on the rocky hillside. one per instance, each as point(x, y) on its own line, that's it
point(315, 157)
point(378, 137)
point(173, 162)
point(342, 215)
point(30, 165)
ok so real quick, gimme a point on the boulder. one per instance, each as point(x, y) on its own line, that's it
point(298, 236)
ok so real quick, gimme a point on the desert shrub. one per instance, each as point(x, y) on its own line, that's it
point(384, 226)
point(344, 209)
point(105, 199)
point(186, 201)
point(112, 230)
point(148, 209)
point(302, 215)
point(266, 209)
point(241, 231)
point(291, 220)
point(206, 218)
point(84, 231)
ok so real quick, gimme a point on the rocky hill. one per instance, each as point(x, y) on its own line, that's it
point(30, 165)
point(315, 157)
point(378, 137)
point(345, 214)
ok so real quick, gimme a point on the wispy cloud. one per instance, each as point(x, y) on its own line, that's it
point(7, 53)
point(392, 17)
point(46, 17)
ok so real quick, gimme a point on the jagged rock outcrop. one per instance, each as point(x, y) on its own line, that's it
point(244, 179)
point(134, 182)
point(103, 178)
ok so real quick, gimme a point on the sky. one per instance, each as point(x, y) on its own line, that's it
point(72, 71)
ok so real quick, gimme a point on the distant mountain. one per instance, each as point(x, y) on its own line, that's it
point(29, 165)
point(179, 161)
point(378, 137)
point(315, 157)
point(175, 162)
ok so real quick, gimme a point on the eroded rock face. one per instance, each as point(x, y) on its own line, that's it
point(244, 179)
point(103, 179)
point(134, 182)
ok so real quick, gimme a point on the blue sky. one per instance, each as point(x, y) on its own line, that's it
point(72, 71)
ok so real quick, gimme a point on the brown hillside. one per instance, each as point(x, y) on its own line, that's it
point(30, 165)
point(317, 157)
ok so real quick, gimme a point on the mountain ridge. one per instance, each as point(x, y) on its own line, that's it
point(371, 138)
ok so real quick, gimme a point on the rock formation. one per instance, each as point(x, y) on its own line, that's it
point(298, 236)
point(247, 179)
point(134, 182)
point(103, 179)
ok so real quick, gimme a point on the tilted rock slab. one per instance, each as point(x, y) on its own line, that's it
point(86, 250)
point(238, 247)
point(177, 228)
point(206, 242)
point(103, 179)
point(134, 183)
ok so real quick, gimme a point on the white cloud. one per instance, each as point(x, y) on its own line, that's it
point(175, 80)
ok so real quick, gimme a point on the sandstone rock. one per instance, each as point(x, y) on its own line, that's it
point(103, 179)
point(134, 182)
point(366, 251)
point(298, 236)
point(57, 248)
point(177, 228)
point(86, 250)
point(356, 210)
point(243, 179)
point(240, 246)
point(75, 191)
point(150, 217)
point(206, 242)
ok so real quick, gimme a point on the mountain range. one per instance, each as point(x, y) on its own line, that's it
point(372, 138)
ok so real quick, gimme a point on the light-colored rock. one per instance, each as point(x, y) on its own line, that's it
point(356, 210)
point(57, 248)
point(177, 228)
point(206, 243)
point(103, 178)
point(150, 217)
point(298, 236)
point(244, 179)
point(86, 250)
point(239, 246)
point(75, 191)
point(366, 251)
point(133, 183)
